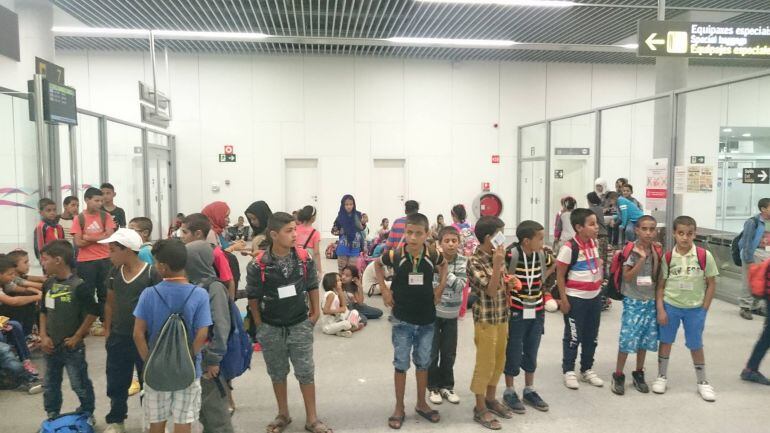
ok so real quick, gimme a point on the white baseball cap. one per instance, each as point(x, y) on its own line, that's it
point(126, 237)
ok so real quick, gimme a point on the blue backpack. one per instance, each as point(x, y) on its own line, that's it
point(75, 422)
point(237, 359)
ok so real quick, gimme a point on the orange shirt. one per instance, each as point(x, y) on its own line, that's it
point(93, 226)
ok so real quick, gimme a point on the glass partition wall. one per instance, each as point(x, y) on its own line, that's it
point(98, 149)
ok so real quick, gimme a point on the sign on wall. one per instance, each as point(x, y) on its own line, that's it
point(656, 192)
point(699, 39)
point(756, 175)
point(225, 157)
point(571, 151)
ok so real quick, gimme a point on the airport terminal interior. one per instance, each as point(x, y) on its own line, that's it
point(374, 215)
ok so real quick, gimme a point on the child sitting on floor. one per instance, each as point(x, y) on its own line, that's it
point(337, 319)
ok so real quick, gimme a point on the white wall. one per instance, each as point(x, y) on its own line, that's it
point(438, 115)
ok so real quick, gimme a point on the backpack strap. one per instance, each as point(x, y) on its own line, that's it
point(82, 222)
point(626, 253)
point(575, 248)
point(309, 238)
point(261, 264)
point(303, 257)
point(514, 259)
point(701, 253)
point(103, 217)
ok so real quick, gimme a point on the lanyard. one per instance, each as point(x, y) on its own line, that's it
point(530, 277)
point(415, 260)
point(589, 252)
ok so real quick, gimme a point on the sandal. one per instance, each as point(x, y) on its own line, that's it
point(499, 409)
point(492, 424)
point(279, 424)
point(396, 419)
point(318, 427)
point(430, 415)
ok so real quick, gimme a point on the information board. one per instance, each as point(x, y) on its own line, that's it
point(703, 39)
point(59, 103)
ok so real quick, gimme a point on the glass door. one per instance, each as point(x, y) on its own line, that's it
point(159, 183)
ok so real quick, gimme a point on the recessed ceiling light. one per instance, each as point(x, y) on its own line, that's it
point(100, 31)
point(159, 34)
point(727, 130)
point(534, 3)
point(629, 46)
point(452, 42)
point(746, 135)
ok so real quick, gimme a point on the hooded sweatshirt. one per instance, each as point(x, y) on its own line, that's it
point(262, 211)
point(200, 271)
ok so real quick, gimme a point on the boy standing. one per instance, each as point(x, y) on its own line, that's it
point(579, 276)
point(127, 280)
point(67, 311)
point(67, 217)
point(197, 226)
point(155, 305)
point(117, 213)
point(441, 380)
point(93, 258)
point(48, 229)
point(530, 265)
point(628, 214)
point(639, 326)
point(277, 282)
point(685, 291)
point(413, 300)
point(143, 226)
point(489, 282)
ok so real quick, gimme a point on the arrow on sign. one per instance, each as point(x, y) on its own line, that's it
point(651, 42)
point(762, 175)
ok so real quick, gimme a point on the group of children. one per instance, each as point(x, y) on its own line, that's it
point(143, 285)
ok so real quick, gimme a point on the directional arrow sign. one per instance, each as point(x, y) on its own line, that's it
point(756, 175)
point(651, 41)
point(704, 39)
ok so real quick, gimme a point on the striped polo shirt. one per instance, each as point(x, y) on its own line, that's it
point(584, 279)
point(396, 234)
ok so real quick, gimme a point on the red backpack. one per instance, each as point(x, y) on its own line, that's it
point(301, 254)
point(758, 278)
point(616, 268)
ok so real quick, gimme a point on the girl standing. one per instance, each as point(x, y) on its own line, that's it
point(348, 227)
point(258, 213)
point(309, 238)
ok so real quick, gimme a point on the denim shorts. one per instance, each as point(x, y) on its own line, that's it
point(638, 326)
point(693, 321)
point(416, 340)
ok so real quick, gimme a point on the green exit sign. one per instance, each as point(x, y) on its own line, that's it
point(224, 157)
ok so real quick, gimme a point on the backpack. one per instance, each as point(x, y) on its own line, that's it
point(82, 220)
point(735, 249)
point(237, 359)
point(302, 255)
point(75, 422)
point(170, 366)
point(758, 279)
point(616, 269)
point(700, 252)
point(331, 251)
point(512, 257)
point(469, 242)
point(235, 267)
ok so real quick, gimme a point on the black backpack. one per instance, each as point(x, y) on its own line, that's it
point(735, 249)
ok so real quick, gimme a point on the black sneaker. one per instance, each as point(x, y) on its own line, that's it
point(639, 382)
point(534, 400)
point(511, 400)
point(746, 314)
point(754, 376)
point(618, 384)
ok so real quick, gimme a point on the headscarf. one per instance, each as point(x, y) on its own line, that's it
point(350, 223)
point(262, 211)
point(603, 183)
point(217, 212)
point(200, 262)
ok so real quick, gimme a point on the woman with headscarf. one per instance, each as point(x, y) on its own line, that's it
point(257, 214)
point(218, 214)
point(348, 226)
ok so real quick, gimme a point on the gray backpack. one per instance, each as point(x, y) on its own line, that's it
point(170, 366)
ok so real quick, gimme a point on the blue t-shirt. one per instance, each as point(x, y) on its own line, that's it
point(145, 254)
point(196, 313)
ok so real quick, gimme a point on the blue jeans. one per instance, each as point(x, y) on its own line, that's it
point(523, 342)
point(415, 339)
point(74, 360)
point(630, 234)
point(16, 338)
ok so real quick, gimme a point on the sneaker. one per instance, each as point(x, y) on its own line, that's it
point(746, 314)
point(754, 376)
point(450, 396)
point(92, 420)
point(533, 399)
point(639, 382)
point(134, 388)
point(52, 415)
point(115, 428)
point(435, 397)
point(591, 377)
point(659, 385)
point(511, 400)
point(346, 334)
point(571, 380)
point(30, 367)
point(706, 391)
point(31, 388)
point(618, 384)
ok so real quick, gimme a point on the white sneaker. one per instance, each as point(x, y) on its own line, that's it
point(115, 428)
point(591, 377)
point(659, 385)
point(571, 380)
point(435, 397)
point(450, 396)
point(706, 391)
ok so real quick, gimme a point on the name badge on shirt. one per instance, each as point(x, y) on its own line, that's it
point(50, 303)
point(529, 313)
point(684, 285)
point(415, 279)
point(644, 280)
point(287, 292)
point(767, 248)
